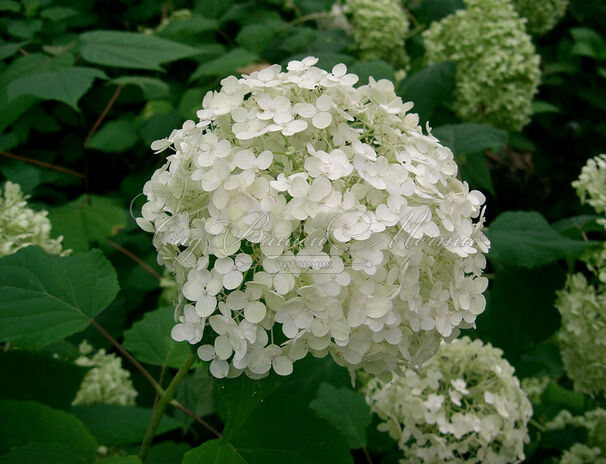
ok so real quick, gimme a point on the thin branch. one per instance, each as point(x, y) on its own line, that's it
point(135, 258)
point(128, 356)
point(101, 117)
point(42, 163)
point(160, 380)
point(199, 420)
point(367, 455)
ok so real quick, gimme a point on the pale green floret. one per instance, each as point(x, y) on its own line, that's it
point(541, 16)
point(107, 382)
point(497, 64)
point(379, 30)
point(21, 226)
point(582, 335)
point(534, 387)
point(591, 184)
point(465, 406)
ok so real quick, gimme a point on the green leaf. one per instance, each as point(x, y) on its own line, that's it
point(114, 425)
point(28, 422)
point(554, 394)
point(588, 43)
point(152, 88)
point(62, 380)
point(115, 137)
point(225, 64)
point(428, 88)
point(9, 49)
point(131, 50)
point(525, 238)
point(255, 37)
point(120, 460)
point(42, 453)
point(9, 5)
point(434, 10)
point(474, 169)
point(196, 394)
point(378, 69)
point(521, 311)
point(150, 341)
point(468, 138)
point(59, 13)
point(87, 220)
point(66, 85)
point(45, 298)
point(346, 410)
point(263, 427)
point(24, 28)
point(575, 227)
point(167, 452)
point(539, 107)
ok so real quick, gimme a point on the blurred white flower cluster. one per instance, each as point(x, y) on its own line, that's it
point(107, 382)
point(594, 421)
point(497, 64)
point(582, 302)
point(534, 387)
point(379, 29)
point(21, 226)
point(591, 184)
point(541, 17)
point(304, 215)
point(464, 406)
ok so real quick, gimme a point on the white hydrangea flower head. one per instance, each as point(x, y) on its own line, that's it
point(541, 17)
point(582, 336)
point(465, 405)
point(302, 214)
point(379, 29)
point(107, 382)
point(580, 453)
point(594, 421)
point(497, 65)
point(591, 184)
point(21, 226)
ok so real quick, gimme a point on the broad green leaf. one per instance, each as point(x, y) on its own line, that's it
point(167, 452)
point(378, 69)
point(66, 85)
point(62, 380)
point(183, 28)
point(8, 49)
point(120, 460)
point(114, 137)
point(131, 50)
point(525, 238)
point(429, 88)
point(263, 427)
point(22, 67)
point(196, 394)
point(45, 298)
point(540, 107)
point(520, 311)
point(474, 169)
point(87, 220)
point(212, 8)
point(332, 41)
point(225, 64)
point(28, 422)
point(434, 10)
point(9, 5)
point(255, 37)
point(43, 453)
point(150, 341)
point(59, 13)
point(468, 138)
point(191, 102)
point(576, 226)
point(114, 425)
point(152, 88)
point(588, 43)
point(346, 410)
point(567, 399)
point(24, 29)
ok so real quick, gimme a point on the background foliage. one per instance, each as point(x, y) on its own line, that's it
point(85, 87)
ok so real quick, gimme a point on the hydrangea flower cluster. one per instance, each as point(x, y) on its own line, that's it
point(107, 382)
point(541, 17)
point(379, 30)
point(464, 406)
point(591, 184)
point(594, 422)
point(21, 226)
point(580, 453)
point(302, 214)
point(497, 64)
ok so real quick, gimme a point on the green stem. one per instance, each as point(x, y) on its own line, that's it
point(165, 399)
